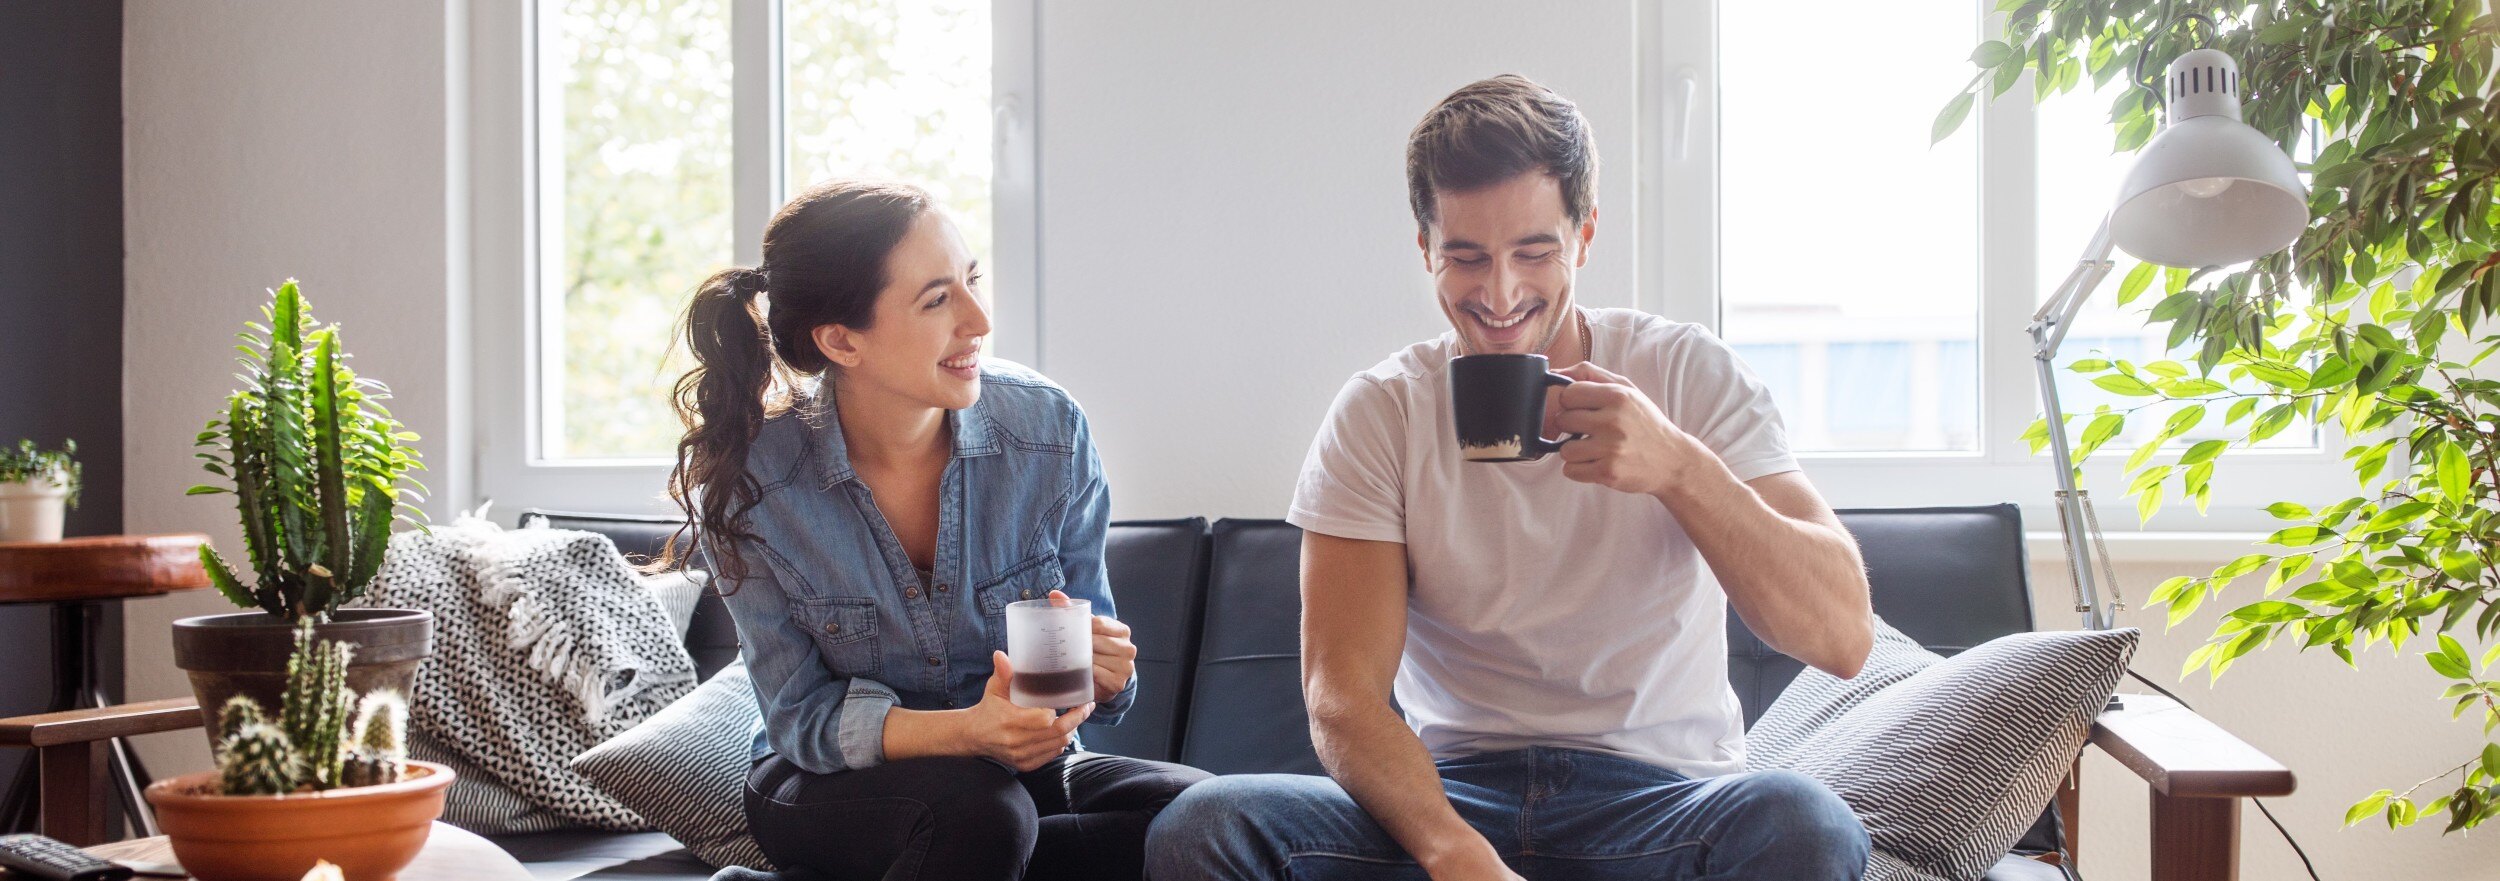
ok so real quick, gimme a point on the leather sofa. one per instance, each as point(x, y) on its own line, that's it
point(1217, 611)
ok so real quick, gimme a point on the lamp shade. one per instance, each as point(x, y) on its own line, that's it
point(2208, 190)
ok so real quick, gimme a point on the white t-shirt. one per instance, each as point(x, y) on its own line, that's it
point(1542, 611)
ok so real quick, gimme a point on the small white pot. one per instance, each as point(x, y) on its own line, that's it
point(30, 510)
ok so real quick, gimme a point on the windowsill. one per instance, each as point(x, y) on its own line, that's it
point(2209, 548)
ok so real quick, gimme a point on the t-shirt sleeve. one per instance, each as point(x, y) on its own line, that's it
point(1351, 484)
point(1722, 402)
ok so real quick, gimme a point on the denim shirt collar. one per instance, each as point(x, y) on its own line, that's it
point(973, 432)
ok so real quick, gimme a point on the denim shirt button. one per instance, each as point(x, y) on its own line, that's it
point(941, 588)
point(1028, 594)
point(933, 661)
point(833, 627)
point(911, 593)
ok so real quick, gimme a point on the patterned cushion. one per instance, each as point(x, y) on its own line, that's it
point(1811, 702)
point(478, 801)
point(685, 770)
point(1948, 765)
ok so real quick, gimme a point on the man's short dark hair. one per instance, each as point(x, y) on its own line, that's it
point(1492, 130)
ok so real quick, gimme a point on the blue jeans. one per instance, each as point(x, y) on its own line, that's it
point(1551, 813)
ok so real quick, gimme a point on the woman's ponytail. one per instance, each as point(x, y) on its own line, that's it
point(737, 382)
point(824, 263)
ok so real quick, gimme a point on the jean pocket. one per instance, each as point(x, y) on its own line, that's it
point(845, 629)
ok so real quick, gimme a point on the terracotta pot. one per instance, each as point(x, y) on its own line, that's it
point(31, 510)
point(369, 832)
point(246, 652)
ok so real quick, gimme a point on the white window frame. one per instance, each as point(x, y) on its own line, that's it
point(1680, 276)
point(508, 171)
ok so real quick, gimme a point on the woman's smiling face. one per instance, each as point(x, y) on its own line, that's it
point(924, 343)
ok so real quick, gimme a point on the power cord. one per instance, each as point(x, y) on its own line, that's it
point(2261, 805)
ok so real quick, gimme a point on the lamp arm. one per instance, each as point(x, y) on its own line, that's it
point(2048, 330)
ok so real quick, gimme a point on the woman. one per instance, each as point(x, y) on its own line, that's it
point(868, 534)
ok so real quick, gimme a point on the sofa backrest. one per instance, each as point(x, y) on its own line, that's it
point(1217, 614)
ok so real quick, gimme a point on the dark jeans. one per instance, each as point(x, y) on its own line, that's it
point(1084, 815)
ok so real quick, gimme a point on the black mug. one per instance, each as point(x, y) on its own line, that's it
point(1499, 402)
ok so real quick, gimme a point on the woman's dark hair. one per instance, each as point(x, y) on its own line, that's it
point(824, 263)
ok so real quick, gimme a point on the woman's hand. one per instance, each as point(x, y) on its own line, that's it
point(1115, 657)
point(1024, 738)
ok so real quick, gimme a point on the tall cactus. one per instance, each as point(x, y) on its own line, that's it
point(318, 704)
point(315, 464)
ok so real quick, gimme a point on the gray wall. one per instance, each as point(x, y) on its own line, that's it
point(61, 283)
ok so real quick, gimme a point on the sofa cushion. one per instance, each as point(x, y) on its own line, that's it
point(685, 769)
point(1948, 766)
point(1248, 715)
point(1812, 702)
point(1157, 570)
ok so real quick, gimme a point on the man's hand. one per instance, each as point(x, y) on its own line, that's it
point(1627, 444)
point(1115, 656)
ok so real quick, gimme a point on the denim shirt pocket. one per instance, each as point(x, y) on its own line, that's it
point(1030, 580)
point(846, 633)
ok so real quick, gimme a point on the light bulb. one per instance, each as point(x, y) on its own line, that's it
point(2205, 187)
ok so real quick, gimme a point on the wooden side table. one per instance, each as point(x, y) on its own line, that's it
point(77, 577)
point(451, 854)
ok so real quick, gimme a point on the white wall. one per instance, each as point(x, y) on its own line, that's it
point(1225, 238)
point(265, 140)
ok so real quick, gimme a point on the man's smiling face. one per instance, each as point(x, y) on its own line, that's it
point(1503, 258)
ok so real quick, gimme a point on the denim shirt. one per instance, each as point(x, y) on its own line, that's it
point(834, 624)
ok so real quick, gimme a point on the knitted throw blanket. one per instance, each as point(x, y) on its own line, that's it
point(545, 645)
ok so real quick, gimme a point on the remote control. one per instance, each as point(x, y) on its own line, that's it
point(49, 859)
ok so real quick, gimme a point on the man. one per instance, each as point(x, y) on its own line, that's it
point(1552, 628)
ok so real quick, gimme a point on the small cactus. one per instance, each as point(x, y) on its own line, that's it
point(257, 760)
point(317, 704)
point(238, 711)
point(382, 722)
point(311, 745)
point(367, 766)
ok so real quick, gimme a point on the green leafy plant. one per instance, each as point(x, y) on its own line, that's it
point(27, 463)
point(312, 745)
point(2368, 323)
point(314, 462)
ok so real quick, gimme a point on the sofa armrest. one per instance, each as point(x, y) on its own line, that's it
point(2183, 755)
point(72, 749)
point(102, 723)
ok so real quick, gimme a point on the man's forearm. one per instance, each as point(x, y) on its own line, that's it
point(1800, 584)
point(1381, 763)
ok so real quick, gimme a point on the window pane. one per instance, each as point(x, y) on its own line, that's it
point(638, 121)
point(893, 89)
point(1842, 232)
point(2079, 175)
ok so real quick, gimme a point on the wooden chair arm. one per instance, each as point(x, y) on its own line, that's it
point(102, 723)
point(2183, 755)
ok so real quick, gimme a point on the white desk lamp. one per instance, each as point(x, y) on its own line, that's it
point(2208, 190)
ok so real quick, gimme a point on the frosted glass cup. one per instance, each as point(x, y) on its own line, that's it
point(1050, 643)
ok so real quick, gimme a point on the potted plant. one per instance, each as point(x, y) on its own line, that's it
point(35, 487)
point(307, 786)
point(315, 465)
point(2368, 322)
